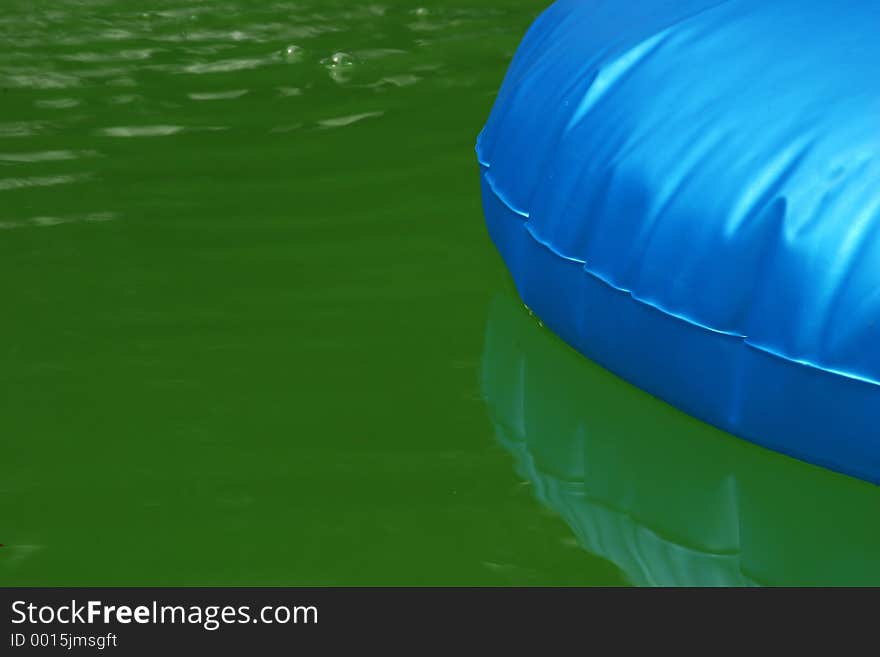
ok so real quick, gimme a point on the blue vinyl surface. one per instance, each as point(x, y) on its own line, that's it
point(688, 192)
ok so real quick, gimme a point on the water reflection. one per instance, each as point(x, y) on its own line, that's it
point(669, 500)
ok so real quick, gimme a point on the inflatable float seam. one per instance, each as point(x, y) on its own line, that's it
point(689, 320)
point(501, 197)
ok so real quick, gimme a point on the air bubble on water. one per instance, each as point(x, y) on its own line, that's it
point(338, 60)
point(339, 65)
point(292, 53)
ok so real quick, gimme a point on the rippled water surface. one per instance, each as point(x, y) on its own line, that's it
point(249, 332)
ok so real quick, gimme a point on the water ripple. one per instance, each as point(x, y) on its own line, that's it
point(219, 95)
point(22, 128)
point(224, 66)
point(46, 221)
point(41, 79)
point(7, 184)
point(42, 156)
point(342, 121)
point(141, 131)
point(56, 103)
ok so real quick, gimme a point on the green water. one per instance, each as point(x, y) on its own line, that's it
point(255, 333)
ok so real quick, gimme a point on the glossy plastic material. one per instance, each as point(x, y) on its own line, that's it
point(688, 192)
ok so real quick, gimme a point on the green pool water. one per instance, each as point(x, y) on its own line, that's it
point(254, 332)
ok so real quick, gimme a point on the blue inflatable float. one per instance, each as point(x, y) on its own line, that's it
point(688, 192)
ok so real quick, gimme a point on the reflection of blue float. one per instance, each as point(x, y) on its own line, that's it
point(688, 192)
point(668, 499)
